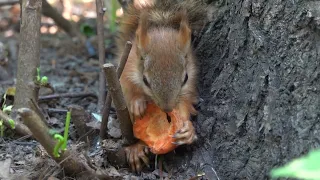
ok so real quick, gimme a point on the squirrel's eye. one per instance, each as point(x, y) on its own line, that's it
point(146, 81)
point(185, 80)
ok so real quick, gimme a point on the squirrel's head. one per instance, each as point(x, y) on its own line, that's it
point(166, 67)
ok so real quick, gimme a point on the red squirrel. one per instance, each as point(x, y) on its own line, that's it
point(161, 67)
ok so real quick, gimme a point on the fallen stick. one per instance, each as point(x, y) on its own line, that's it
point(66, 95)
point(69, 160)
point(119, 103)
point(107, 105)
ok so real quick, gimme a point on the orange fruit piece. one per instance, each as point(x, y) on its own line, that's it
point(156, 129)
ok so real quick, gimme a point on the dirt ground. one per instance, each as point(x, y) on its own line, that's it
point(258, 83)
point(70, 69)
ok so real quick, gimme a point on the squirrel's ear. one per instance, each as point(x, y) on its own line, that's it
point(142, 37)
point(184, 37)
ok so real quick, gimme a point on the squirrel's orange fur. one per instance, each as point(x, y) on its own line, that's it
point(161, 67)
point(161, 36)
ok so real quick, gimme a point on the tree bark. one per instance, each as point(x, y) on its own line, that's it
point(29, 53)
point(260, 80)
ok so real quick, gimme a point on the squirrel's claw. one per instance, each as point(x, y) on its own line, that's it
point(186, 135)
point(135, 154)
point(138, 107)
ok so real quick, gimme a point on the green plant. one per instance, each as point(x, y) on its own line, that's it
point(43, 81)
point(113, 15)
point(306, 167)
point(6, 109)
point(59, 145)
point(66, 129)
point(62, 140)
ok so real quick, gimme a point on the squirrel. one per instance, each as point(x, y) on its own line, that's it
point(161, 67)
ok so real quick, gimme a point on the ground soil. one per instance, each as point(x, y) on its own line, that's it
point(259, 88)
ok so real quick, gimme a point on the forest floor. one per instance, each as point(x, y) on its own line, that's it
point(71, 70)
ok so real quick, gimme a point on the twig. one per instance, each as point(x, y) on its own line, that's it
point(63, 23)
point(9, 2)
point(55, 110)
point(105, 116)
point(69, 160)
point(19, 127)
point(107, 105)
point(100, 30)
point(49, 11)
point(66, 95)
point(119, 103)
point(124, 58)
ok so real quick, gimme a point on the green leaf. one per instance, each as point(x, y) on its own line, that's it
point(58, 145)
point(306, 167)
point(66, 130)
point(12, 123)
point(44, 80)
point(38, 74)
point(7, 108)
point(1, 128)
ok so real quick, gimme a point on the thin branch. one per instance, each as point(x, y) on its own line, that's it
point(124, 58)
point(105, 116)
point(63, 23)
point(19, 127)
point(100, 30)
point(119, 103)
point(107, 105)
point(66, 95)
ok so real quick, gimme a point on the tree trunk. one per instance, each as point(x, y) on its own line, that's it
point(29, 53)
point(259, 78)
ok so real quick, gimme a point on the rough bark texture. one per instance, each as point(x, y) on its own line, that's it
point(108, 101)
point(259, 78)
point(114, 89)
point(29, 53)
point(19, 127)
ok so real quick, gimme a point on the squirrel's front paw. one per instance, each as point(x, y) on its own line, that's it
point(135, 154)
point(186, 135)
point(138, 107)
